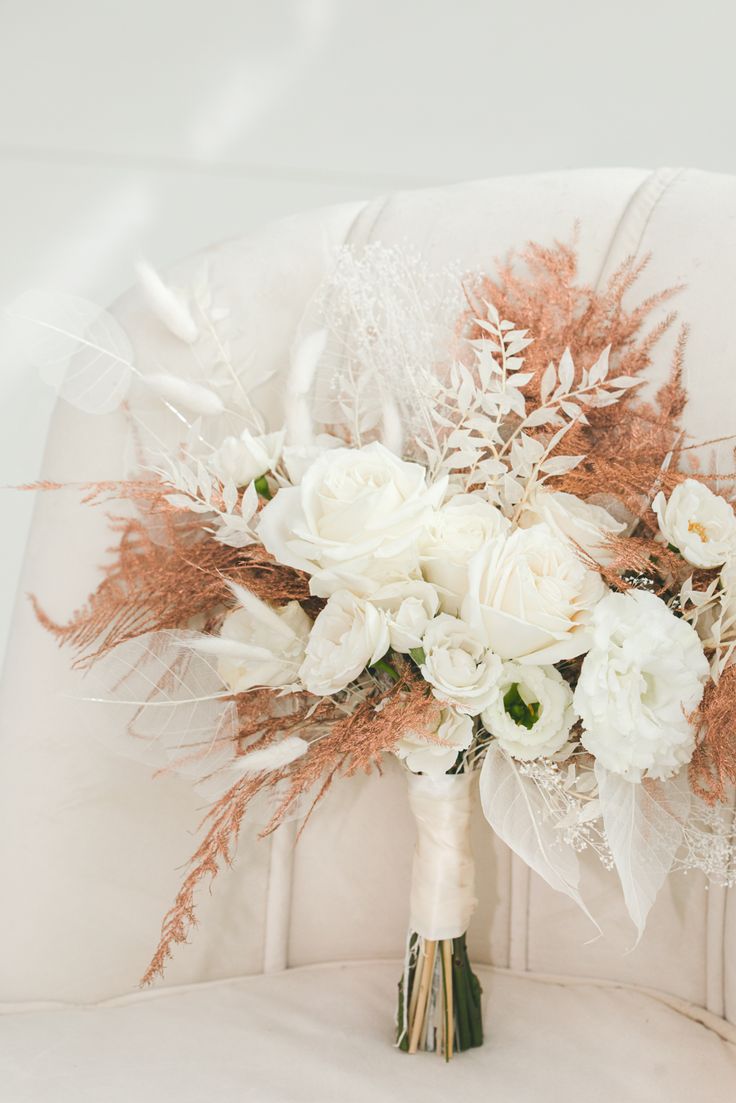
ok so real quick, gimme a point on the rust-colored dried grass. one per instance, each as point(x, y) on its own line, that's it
point(713, 766)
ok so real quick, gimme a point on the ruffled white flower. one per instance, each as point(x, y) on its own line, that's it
point(426, 756)
point(354, 521)
point(530, 597)
point(459, 666)
point(699, 523)
point(348, 635)
point(533, 714)
point(642, 677)
point(259, 645)
point(409, 605)
point(454, 534)
point(570, 518)
point(242, 459)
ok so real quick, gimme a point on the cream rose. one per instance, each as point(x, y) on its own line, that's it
point(354, 521)
point(242, 459)
point(348, 635)
point(570, 518)
point(454, 534)
point(699, 523)
point(458, 665)
point(426, 756)
point(530, 597)
point(643, 675)
point(259, 645)
point(409, 605)
point(533, 714)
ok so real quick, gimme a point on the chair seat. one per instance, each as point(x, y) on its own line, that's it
point(323, 1033)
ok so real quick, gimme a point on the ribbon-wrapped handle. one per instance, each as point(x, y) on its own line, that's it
point(442, 896)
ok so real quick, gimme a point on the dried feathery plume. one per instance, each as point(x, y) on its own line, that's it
point(713, 765)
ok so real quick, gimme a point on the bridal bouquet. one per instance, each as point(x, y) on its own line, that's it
point(478, 541)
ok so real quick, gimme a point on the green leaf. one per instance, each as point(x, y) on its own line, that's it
point(261, 485)
point(417, 654)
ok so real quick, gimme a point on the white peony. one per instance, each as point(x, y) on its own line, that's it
point(409, 605)
point(643, 675)
point(426, 756)
point(454, 534)
point(699, 523)
point(570, 518)
point(260, 645)
point(530, 597)
point(242, 459)
point(347, 636)
point(533, 714)
point(458, 665)
point(354, 521)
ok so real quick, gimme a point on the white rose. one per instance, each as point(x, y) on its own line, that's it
point(641, 678)
point(409, 605)
point(531, 597)
point(570, 518)
point(699, 523)
point(425, 756)
point(354, 520)
point(533, 713)
point(261, 646)
point(242, 459)
point(454, 534)
point(347, 636)
point(458, 665)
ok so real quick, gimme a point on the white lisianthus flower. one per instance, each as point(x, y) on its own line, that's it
point(242, 459)
point(642, 677)
point(570, 518)
point(426, 756)
point(454, 534)
point(354, 521)
point(347, 636)
point(260, 646)
point(530, 597)
point(699, 523)
point(459, 666)
point(533, 714)
point(409, 605)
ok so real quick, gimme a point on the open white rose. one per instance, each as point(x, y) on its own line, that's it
point(533, 714)
point(242, 459)
point(699, 523)
point(643, 675)
point(259, 645)
point(572, 519)
point(348, 635)
point(409, 605)
point(426, 756)
point(454, 534)
point(530, 597)
point(354, 521)
point(459, 666)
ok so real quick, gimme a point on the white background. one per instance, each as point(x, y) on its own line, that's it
point(156, 126)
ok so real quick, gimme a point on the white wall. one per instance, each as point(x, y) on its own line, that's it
point(156, 126)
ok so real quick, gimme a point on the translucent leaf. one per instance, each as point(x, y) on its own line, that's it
point(549, 379)
point(599, 371)
point(77, 347)
point(566, 372)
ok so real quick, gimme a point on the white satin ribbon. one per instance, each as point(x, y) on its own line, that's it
point(442, 896)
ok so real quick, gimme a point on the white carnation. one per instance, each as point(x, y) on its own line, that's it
point(699, 523)
point(348, 635)
point(530, 597)
point(643, 675)
point(459, 666)
point(426, 756)
point(261, 646)
point(533, 714)
point(354, 521)
point(242, 459)
point(455, 532)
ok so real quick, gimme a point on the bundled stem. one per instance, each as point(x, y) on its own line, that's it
point(440, 1007)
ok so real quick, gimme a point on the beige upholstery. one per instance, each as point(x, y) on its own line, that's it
point(90, 846)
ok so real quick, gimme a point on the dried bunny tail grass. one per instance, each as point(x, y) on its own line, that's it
point(713, 765)
point(340, 744)
point(153, 584)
